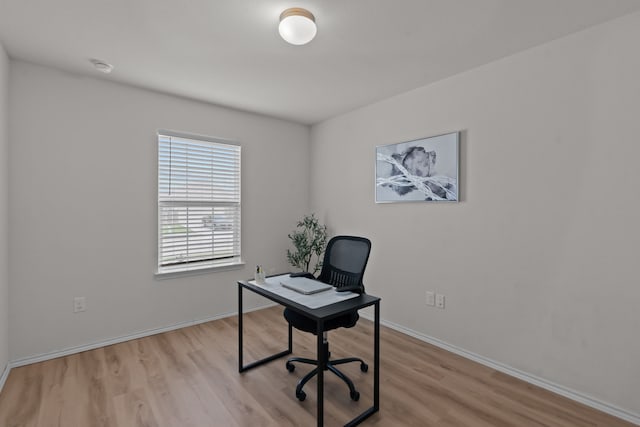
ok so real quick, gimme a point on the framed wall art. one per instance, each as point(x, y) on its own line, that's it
point(423, 170)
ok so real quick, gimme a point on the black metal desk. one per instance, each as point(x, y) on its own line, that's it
point(320, 315)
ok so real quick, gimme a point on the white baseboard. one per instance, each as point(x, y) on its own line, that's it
point(141, 334)
point(4, 376)
point(532, 379)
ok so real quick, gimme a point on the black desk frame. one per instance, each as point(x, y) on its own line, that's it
point(320, 315)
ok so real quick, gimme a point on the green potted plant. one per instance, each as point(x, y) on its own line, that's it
point(309, 239)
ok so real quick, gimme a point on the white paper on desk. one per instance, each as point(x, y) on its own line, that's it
point(321, 299)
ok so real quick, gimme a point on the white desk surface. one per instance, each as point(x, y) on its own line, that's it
point(320, 299)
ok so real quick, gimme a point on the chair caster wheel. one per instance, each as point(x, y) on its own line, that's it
point(364, 367)
point(301, 396)
point(355, 396)
point(290, 367)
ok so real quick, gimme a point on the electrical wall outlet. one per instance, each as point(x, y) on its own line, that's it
point(439, 300)
point(79, 304)
point(431, 298)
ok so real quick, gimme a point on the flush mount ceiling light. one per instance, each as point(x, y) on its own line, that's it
point(297, 26)
point(101, 66)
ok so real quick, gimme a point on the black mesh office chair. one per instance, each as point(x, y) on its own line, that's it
point(343, 267)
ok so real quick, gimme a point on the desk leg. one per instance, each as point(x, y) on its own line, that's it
point(241, 366)
point(322, 364)
point(376, 359)
point(239, 328)
point(376, 372)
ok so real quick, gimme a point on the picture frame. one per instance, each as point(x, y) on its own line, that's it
point(421, 170)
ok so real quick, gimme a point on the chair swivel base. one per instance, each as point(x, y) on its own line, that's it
point(331, 366)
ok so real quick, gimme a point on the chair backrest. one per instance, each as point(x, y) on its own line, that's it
point(344, 261)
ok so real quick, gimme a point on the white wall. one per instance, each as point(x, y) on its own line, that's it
point(83, 207)
point(539, 261)
point(4, 209)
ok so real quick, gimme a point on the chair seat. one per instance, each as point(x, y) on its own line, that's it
point(303, 323)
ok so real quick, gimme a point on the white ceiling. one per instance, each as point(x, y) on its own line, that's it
point(228, 52)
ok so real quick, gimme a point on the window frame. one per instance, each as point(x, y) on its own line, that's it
point(196, 267)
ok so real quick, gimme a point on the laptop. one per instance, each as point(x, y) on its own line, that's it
point(304, 285)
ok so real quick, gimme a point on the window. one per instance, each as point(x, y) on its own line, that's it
point(198, 203)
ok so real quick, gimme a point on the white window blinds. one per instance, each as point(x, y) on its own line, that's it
point(198, 203)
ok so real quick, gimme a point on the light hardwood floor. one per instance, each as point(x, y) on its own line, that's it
point(189, 377)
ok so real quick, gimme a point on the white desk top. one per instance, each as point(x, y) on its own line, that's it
point(320, 299)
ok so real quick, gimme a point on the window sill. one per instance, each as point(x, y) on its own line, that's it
point(204, 268)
